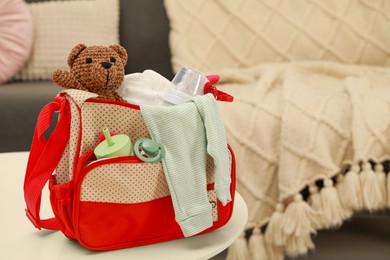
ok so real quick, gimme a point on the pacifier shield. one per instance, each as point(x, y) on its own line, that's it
point(149, 150)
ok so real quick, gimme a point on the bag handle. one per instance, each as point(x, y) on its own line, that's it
point(44, 158)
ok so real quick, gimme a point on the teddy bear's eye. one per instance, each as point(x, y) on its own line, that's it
point(112, 59)
point(88, 60)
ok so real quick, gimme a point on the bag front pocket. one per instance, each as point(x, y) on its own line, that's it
point(123, 202)
point(123, 180)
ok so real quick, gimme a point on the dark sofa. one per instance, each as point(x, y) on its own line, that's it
point(144, 29)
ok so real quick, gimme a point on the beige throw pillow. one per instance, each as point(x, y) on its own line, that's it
point(60, 25)
point(216, 34)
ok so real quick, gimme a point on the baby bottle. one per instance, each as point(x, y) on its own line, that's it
point(187, 83)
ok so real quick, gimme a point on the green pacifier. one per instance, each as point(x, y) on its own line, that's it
point(149, 150)
point(113, 146)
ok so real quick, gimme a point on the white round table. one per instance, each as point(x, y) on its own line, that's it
point(20, 240)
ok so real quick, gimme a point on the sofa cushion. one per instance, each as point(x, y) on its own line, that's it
point(16, 33)
point(212, 35)
point(20, 103)
point(60, 25)
point(144, 32)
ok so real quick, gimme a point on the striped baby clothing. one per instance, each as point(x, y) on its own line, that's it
point(188, 132)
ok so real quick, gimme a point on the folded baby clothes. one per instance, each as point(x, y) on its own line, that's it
point(144, 88)
point(197, 130)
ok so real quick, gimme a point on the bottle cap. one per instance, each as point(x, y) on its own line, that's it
point(187, 83)
point(176, 97)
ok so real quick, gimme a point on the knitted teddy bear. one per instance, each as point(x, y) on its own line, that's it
point(96, 69)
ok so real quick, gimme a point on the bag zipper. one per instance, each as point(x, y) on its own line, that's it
point(82, 169)
point(120, 159)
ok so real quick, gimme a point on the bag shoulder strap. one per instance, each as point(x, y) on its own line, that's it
point(44, 158)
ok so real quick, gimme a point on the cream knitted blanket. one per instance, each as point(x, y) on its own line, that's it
point(312, 142)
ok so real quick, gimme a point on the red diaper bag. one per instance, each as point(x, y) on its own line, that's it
point(108, 203)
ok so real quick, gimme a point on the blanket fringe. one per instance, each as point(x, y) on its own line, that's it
point(291, 231)
point(315, 202)
point(298, 245)
point(297, 224)
point(239, 250)
point(274, 234)
point(257, 247)
point(274, 252)
point(298, 218)
point(371, 190)
point(327, 204)
point(332, 210)
point(350, 190)
point(381, 179)
point(388, 190)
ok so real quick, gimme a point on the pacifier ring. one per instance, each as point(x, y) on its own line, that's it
point(148, 150)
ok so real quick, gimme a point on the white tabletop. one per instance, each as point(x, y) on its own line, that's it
point(20, 240)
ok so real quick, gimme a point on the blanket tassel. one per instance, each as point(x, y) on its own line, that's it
point(297, 223)
point(333, 210)
point(386, 170)
point(274, 252)
point(239, 249)
point(316, 204)
point(350, 189)
point(274, 234)
point(256, 245)
point(298, 245)
point(370, 188)
point(381, 179)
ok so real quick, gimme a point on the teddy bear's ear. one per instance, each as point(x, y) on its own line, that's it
point(75, 52)
point(121, 51)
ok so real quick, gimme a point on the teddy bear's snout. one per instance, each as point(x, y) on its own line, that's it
point(106, 64)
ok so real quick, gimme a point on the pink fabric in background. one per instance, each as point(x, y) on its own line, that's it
point(16, 37)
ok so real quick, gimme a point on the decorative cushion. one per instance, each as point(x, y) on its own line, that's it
point(16, 33)
point(60, 25)
point(212, 35)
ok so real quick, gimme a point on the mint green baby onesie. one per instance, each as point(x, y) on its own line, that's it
point(188, 132)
